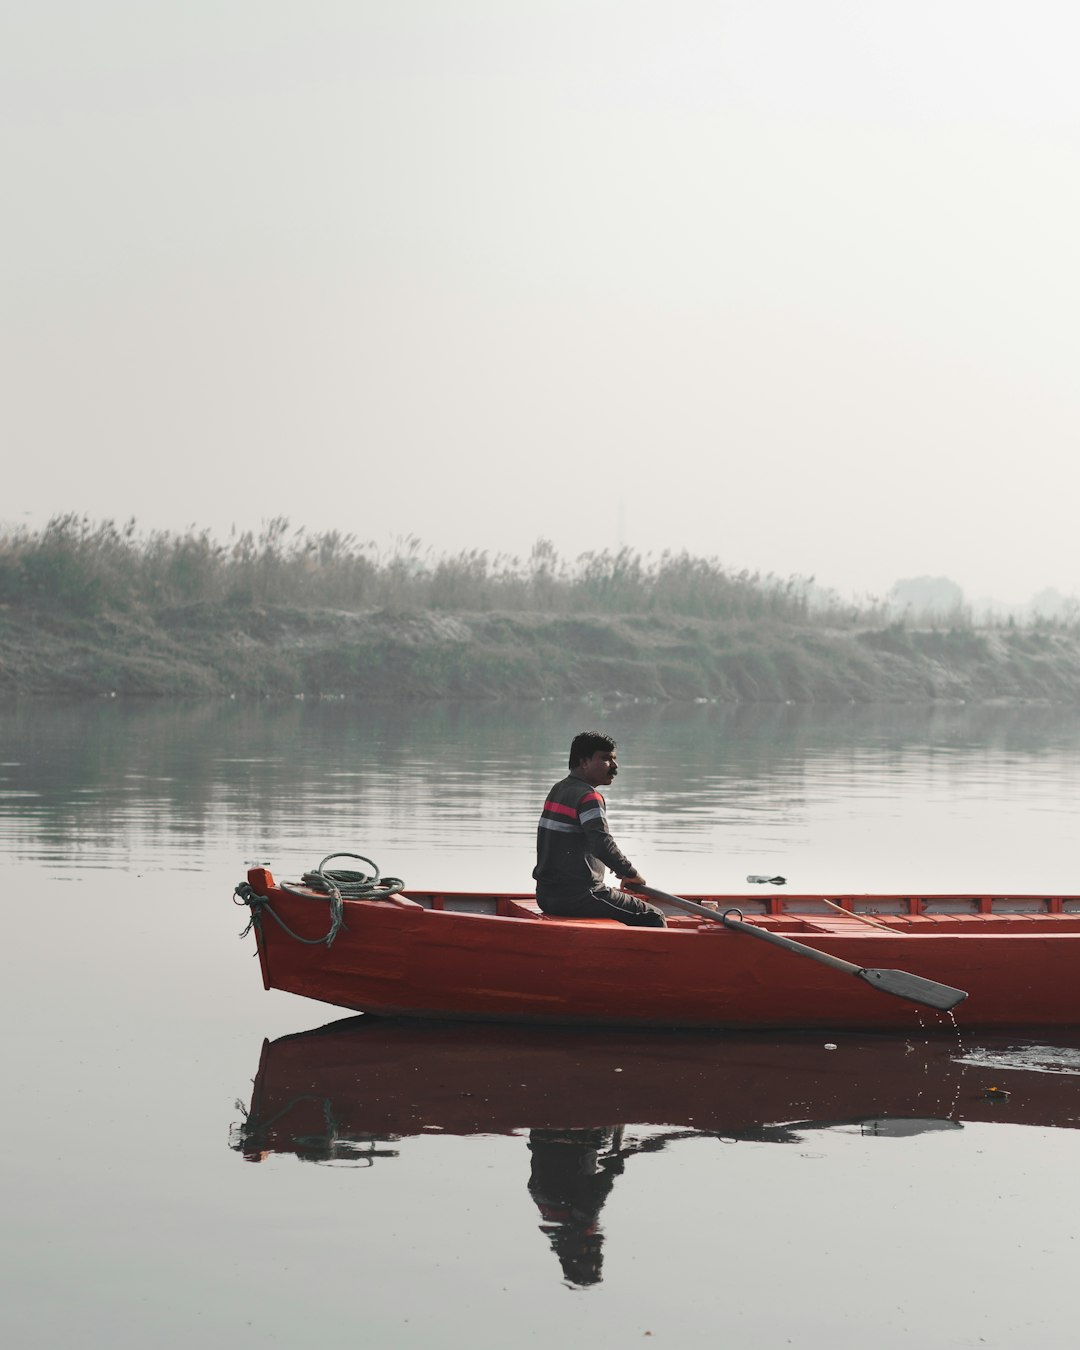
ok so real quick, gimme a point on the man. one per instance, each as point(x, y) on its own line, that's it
point(574, 845)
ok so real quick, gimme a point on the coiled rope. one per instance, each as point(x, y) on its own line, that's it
point(337, 886)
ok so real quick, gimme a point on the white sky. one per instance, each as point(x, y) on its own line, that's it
point(792, 283)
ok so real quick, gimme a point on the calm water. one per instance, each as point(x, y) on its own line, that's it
point(170, 1180)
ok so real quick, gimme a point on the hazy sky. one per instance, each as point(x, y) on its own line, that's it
point(792, 283)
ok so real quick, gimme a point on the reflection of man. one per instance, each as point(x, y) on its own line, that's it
point(574, 844)
point(570, 1181)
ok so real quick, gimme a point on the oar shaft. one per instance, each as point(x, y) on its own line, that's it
point(799, 948)
point(915, 988)
point(863, 918)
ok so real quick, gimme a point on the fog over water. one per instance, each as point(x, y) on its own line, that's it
point(792, 285)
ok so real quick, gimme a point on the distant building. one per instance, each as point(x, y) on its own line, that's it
point(926, 598)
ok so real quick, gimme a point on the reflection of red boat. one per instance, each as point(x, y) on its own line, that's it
point(345, 1089)
point(495, 957)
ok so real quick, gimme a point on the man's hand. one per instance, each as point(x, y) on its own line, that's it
point(635, 880)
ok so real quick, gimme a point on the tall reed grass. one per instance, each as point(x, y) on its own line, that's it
point(78, 566)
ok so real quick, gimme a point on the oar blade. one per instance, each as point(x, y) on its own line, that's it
point(914, 988)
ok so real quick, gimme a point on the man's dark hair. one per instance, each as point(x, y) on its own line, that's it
point(586, 743)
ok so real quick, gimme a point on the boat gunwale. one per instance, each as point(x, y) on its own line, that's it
point(809, 914)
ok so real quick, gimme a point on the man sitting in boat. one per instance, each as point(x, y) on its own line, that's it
point(574, 844)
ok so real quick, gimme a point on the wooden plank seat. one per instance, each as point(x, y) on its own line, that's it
point(525, 908)
point(562, 918)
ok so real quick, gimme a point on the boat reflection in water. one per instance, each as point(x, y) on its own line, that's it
point(588, 1102)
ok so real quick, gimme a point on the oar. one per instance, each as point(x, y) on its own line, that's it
point(863, 918)
point(899, 982)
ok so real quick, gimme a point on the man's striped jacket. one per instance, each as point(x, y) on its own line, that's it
point(574, 844)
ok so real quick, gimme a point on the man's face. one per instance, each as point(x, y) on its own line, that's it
point(600, 768)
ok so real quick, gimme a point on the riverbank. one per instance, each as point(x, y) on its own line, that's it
point(223, 650)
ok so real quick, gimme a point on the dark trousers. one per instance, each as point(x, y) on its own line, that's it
point(603, 902)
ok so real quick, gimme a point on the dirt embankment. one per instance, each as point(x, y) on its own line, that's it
point(205, 650)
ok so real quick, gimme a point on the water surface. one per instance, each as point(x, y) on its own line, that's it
point(462, 1187)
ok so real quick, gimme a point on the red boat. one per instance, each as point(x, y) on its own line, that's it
point(375, 947)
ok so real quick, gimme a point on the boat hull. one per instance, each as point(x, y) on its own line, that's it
point(488, 958)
